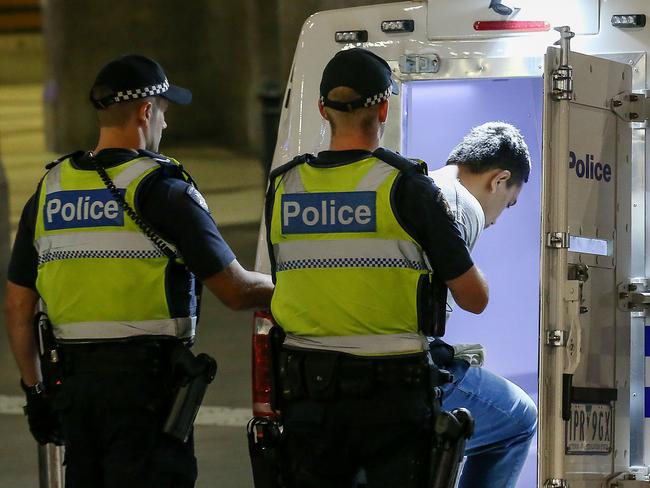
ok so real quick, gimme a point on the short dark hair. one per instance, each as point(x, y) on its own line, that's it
point(494, 145)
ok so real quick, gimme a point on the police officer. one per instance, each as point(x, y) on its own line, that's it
point(116, 242)
point(354, 235)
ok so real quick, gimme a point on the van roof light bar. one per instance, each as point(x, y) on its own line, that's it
point(404, 25)
point(512, 25)
point(345, 37)
point(628, 21)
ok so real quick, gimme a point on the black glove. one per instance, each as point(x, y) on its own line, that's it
point(43, 422)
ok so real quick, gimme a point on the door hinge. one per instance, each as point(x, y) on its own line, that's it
point(563, 83)
point(557, 240)
point(634, 296)
point(562, 86)
point(631, 107)
point(557, 338)
point(556, 483)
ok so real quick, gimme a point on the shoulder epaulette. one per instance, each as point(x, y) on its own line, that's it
point(400, 162)
point(173, 166)
point(52, 164)
point(301, 159)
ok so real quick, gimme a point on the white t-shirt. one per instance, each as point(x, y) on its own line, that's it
point(465, 207)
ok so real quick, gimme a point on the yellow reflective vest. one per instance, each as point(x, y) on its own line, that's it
point(347, 273)
point(99, 275)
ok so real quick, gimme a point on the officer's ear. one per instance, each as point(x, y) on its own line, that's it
point(321, 109)
point(499, 177)
point(145, 111)
point(383, 111)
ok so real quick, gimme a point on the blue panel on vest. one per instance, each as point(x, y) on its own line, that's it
point(82, 208)
point(647, 402)
point(647, 341)
point(321, 213)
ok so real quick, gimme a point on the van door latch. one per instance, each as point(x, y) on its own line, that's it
point(631, 106)
point(634, 296)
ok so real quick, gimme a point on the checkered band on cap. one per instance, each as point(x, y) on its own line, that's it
point(378, 98)
point(144, 92)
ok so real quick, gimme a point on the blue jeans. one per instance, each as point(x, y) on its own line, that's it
point(506, 419)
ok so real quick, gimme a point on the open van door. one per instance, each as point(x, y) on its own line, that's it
point(586, 294)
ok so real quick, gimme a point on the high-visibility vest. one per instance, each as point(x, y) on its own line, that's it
point(99, 275)
point(347, 273)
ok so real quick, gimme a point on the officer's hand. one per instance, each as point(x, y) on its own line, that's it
point(43, 422)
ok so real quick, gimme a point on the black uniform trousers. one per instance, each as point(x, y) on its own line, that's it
point(351, 415)
point(113, 402)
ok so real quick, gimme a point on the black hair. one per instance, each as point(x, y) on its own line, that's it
point(494, 145)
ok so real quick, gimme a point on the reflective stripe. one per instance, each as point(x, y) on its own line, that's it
point(293, 181)
point(183, 328)
point(48, 257)
point(133, 172)
point(362, 345)
point(333, 252)
point(53, 179)
point(350, 263)
point(375, 177)
point(95, 241)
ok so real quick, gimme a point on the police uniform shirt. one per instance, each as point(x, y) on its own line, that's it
point(423, 212)
point(170, 205)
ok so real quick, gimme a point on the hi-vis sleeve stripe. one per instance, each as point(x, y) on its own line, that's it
point(183, 328)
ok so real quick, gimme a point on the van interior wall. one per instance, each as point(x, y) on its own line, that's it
point(438, 114)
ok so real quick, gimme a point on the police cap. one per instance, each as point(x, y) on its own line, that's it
point(134, 76)
point(364, 72)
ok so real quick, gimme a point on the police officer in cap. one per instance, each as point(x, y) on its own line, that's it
point(356, 235)
point(116, 243)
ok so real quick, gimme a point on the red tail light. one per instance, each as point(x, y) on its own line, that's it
point(262, 365)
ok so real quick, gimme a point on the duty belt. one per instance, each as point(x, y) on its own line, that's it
point(152, 357)
point(326, 375)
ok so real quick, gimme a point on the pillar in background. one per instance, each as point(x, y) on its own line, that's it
point(224, 51)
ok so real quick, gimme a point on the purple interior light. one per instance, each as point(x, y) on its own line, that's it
point(437, 115)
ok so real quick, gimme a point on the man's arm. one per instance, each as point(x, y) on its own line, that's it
point(20, 307)
point(239, 289)
point(176, 211)
point(470, 290)
point(426, 216)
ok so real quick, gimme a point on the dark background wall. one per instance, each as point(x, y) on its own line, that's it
point(225, 51)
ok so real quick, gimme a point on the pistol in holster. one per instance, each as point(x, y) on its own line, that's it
point(48, 353)
point(449, 434)
point(193, 375)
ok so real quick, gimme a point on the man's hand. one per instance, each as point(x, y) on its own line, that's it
point(43, 422)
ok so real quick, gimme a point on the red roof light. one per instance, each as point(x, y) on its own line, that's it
point(512, 25)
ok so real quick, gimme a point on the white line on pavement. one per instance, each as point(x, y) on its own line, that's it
point(219, 416)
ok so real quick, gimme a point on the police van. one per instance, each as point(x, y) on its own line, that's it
point(568, 276)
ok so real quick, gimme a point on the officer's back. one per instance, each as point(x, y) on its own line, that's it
point(356, 235)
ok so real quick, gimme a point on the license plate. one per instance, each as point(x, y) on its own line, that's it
point(589, 431)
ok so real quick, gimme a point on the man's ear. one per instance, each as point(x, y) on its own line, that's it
point(321, 109)
point(383, 111)
point(145, 111)
point(499, 177)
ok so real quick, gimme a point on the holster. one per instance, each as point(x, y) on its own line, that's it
point(48, 353)
point(194, 374)
point(265, 450)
